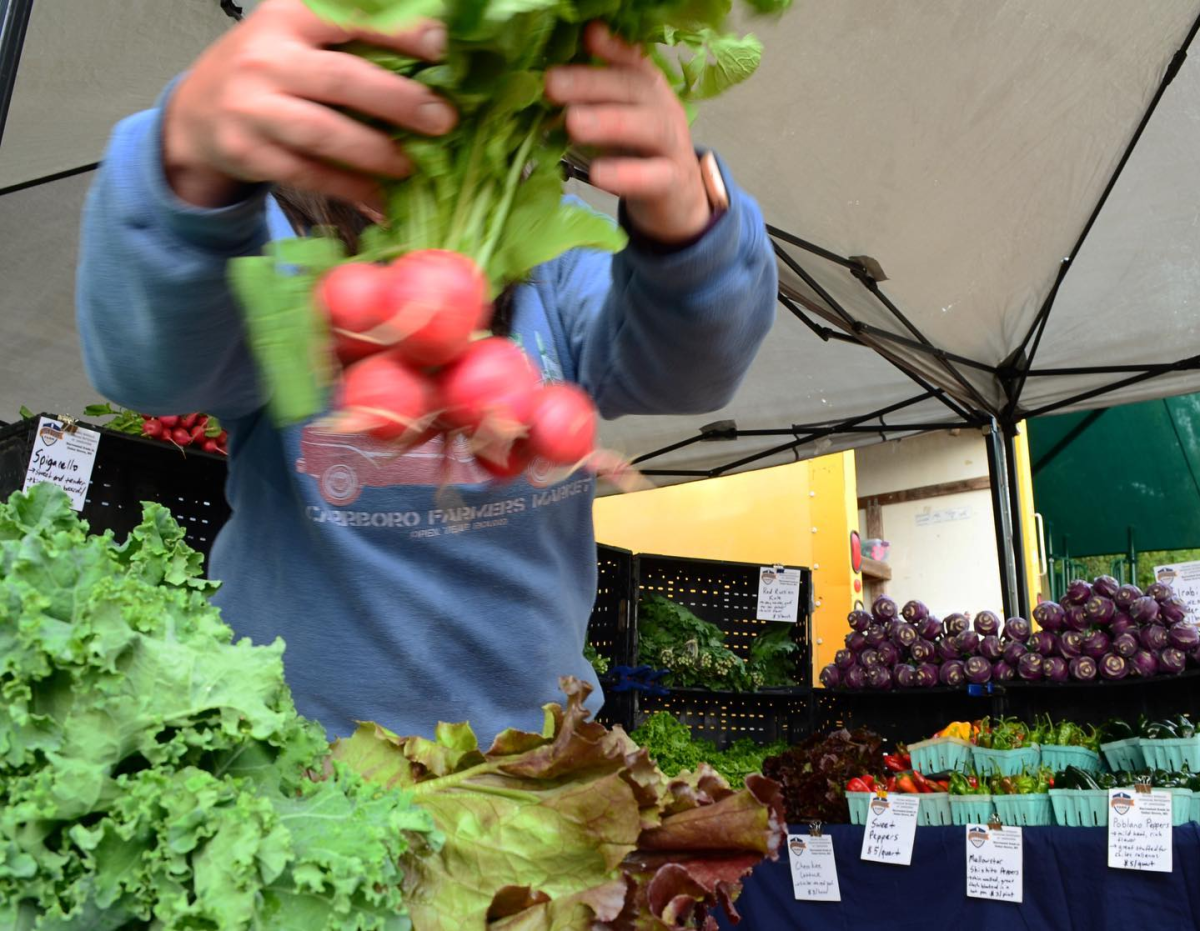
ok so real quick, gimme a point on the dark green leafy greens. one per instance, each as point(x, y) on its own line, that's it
point(491, 189)
point(671, 745)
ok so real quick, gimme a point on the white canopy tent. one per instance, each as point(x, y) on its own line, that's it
point(982, 211)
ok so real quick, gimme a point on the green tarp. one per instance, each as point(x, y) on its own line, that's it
point(1098, 473)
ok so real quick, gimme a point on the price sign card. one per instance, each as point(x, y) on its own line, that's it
point(891, 829)
point(63, 459)
point(995, 863)
point(1139, 830)
point(778, 594)
point(814, 872)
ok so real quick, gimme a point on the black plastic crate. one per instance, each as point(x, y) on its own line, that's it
point(610, 628)
point(726, 594)
point(128, 471)
point(724, 717)
point(1096, 702)
point(901, 716)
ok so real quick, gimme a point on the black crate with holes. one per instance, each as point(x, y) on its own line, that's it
point(128, 471)
point(903, 716)
point(726, 594)
point(610, 628)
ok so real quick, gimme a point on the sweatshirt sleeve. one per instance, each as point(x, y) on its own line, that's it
point(159, 327)
point(671, 333)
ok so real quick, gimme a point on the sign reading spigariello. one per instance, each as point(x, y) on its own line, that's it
point(64, 458)
point(1184, 577)
point(778, 594)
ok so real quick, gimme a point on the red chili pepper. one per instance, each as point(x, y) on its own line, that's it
point(870, 781)
point(905, 784)
point(943, 784)
point(973, 782)
point(857, 785)
point(894, 764)
point(921, 782)
point(891, 784)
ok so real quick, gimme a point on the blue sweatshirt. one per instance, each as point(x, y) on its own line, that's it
point(401, 603)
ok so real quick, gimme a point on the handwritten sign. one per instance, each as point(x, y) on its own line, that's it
point(1184, 577)
point(814, 872)
point(63, 459)
point(778, 594)
point(891, 829)
point(1139, 830)
point(995, 863)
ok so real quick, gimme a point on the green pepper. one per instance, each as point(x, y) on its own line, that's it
point(1104, 781)
point(1184, 726)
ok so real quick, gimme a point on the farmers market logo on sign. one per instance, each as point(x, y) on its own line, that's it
point(977, 837)
point(1122, 802)
point(768, 576)
point(797, 846)
point(50, 435)
point(879, 805)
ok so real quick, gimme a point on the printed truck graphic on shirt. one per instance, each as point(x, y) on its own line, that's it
point(344, 464)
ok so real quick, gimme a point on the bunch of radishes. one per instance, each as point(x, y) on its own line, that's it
point(412, 337)
point(197, 430)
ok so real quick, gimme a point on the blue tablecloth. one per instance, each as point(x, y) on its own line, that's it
point(1068, 887)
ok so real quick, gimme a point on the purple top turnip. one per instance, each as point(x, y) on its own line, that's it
point(1003, 672)
point(1078, 592)
point(967, 643)
point(1054, 669)
point(927, 676)
point(869, 658)
point(1121, 622)
point(922, 651)
point(1144, 663)
point(860, 621)
point(1050, 615)
point(843, 659)
point(930, 628)
point(1159, 591)
point(889, 653)
point(879, 678)
point(1125, 644)
point(1083, 668)
point(1013, 652)
point(1113, 666)
point(914, 611)
point(884, 608)
point(831, 676)
point(1154, 637)
point(1174, 610)
point(1172, 661)
point(986, 624)
point(1184, 637)
point(905, 635)
point(875, 635)
point(1030, 666)
point(1105, 586)
point(1017, 628)
point(991, 648)
point(1096, 644)
point(1076, 618)
point(1144, 610)
point(854, 678)
point(1070, 644)
point(978, 670)
point(1099, 609)
point(952, 673)
point(1126, 595)
point(954, 624)
point(856, 642)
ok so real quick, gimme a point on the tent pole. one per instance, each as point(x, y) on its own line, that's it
point(14, 19)
point(1018, 534)
point(1002, 515)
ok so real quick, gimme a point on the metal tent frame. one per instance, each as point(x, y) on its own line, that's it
point(968, 407)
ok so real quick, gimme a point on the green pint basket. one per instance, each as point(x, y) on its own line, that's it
point(1080, 808)
point(1124, 755)
point(933, 809)
point(1027, 811)
point(858, 806)
point(1059, 758)
point(1006, 762)
point(971, 809)
point(940, 755)
point(1172, 754)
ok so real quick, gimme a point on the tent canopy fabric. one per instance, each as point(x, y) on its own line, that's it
point(1100, 475)
point(930, 168)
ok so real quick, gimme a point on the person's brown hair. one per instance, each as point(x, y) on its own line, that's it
point(306, 211)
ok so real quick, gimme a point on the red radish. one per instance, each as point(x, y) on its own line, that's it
point(181, 437)
point(355, 298)
point(504, 460)
point(188, 421)
point(222, 438)
point(170, 421)
point(197, 433)
point(563, 429)
point(153, 428)
point(387, 398)
point(436, 299)
point(202, 420)
point(210, 446)
point(492, 384)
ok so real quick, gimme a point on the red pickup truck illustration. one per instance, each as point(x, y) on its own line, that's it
point(344, 464)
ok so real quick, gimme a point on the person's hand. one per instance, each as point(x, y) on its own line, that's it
point(258, 106)
point(630, 113)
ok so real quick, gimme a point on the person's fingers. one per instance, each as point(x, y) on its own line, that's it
point(599, 41)
point(623, 129)
point(423, 39)
point(570, 84)
point(315, 131)
point(281, 166)
point(345, 80)
point(635, 178)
